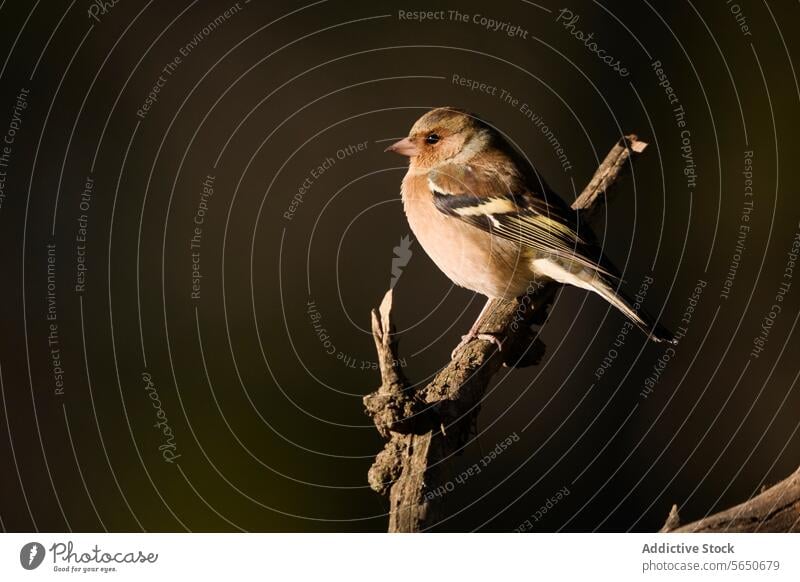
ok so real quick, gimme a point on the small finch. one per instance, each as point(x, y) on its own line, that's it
point(491, 224)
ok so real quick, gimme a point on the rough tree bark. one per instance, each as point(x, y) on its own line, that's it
point(776, 509)
point(425, 427)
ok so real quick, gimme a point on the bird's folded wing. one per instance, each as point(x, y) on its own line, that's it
point(501, 204)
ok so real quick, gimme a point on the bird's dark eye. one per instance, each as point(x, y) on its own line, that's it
point(432, 138)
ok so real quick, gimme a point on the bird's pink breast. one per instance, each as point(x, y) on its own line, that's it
point(470, 257)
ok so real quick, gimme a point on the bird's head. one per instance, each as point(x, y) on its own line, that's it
point(441, 136)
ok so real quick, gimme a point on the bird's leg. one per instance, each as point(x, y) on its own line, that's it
point(475, 334)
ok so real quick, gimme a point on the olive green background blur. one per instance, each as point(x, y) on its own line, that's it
point(260, 379)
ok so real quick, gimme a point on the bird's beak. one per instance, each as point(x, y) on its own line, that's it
point(404, 147)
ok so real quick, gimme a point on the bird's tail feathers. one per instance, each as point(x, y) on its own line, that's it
point(593, 280)
point(656, 333)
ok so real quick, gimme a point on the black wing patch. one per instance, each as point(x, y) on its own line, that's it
point(522, 219)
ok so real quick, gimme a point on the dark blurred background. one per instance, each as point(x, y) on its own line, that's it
point(258, 379)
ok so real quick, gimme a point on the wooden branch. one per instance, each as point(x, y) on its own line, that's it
point(443, 415)
point(776, 509)
point(426, 427)
point(608, 171)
